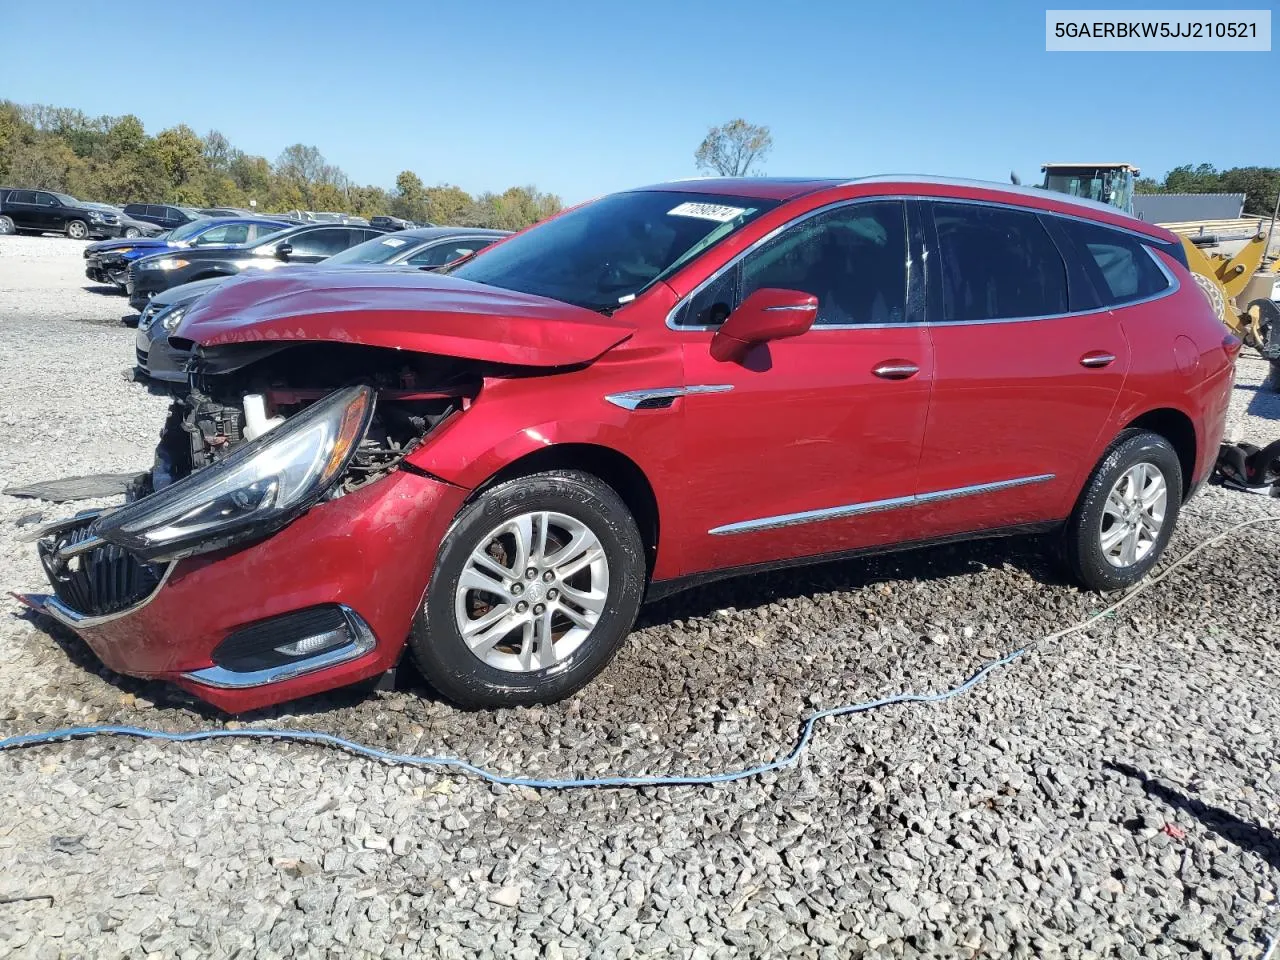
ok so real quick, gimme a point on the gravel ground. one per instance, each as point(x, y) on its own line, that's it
point(1116, 794)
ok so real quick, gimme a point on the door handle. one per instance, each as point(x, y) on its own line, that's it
point(1097, 358)
point(895, 370)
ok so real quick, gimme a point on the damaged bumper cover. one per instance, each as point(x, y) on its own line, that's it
point(245, 582)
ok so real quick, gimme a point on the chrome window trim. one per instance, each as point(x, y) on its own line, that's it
point(224, 679)
point(1146, 239)
point(631, 399)
point(873, 506)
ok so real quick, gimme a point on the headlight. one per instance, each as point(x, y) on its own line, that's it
point(170, 319)
point(256, 490)
point(122, 251)
point(95, 215)
point(164, 263)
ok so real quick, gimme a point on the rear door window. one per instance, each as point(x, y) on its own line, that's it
point(997, 264)
point(1120, 266)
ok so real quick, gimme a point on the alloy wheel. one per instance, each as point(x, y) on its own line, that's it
point(77, 230)
point(532, 591)
point(1133, 515)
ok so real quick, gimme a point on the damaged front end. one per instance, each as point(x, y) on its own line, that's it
point(269, 501)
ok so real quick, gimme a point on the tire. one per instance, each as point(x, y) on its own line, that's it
point(132, 233)
point(77, 229)
point(511, 666)
point(1137, 458)
point(6, 226)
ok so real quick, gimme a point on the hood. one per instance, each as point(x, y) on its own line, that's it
point(188, 291)
point(402, 309)
point(106, 246)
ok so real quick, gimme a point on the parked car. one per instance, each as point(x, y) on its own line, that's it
point(163, 215)
point(108, 261)
point(393, 223)
point(426, 249)
point(126, 226)
point(310, 243)
point(43, 211)
point(224, 212)
point(497, 464)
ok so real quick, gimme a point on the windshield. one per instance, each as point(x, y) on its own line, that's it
point(602, 255)
point(1113, 187)
point(377, 250)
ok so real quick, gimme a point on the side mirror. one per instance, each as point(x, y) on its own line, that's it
point(768, 314)
point(283, 250)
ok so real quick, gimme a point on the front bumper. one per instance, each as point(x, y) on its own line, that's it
point(156, 358)
point(114, 270)
point(371, 552)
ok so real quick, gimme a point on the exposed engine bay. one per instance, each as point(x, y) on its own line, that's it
point(239, 393)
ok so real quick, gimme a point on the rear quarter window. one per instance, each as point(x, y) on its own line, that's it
point(1121, 267)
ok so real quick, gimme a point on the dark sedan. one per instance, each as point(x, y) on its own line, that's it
point(109, 261)
point(425, 248)
point(309, 243)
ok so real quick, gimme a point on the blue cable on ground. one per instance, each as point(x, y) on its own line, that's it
point(409, 759)
point(669, 780)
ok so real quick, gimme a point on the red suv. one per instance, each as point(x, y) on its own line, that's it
point(497, 465)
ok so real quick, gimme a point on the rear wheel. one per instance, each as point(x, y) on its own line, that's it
point(77, 229)
point(6, 226)
point(1126, 514)
point(535, 587)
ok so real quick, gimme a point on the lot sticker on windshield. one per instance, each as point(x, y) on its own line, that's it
point(707, 211)
point(394, 242)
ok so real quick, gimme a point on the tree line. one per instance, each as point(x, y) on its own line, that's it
point(114, 160)
point(1260, 185)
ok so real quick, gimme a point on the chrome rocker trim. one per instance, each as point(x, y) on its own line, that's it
point(873, 506)
point(225, 679)
point(632, 399)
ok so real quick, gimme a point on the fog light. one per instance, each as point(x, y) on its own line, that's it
point(318, 643)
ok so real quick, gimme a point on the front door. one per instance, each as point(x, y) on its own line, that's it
point(809, 445)
point(1024, 382)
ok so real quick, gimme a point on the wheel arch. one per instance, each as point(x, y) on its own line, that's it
point(616, 469)
point(1180, 430)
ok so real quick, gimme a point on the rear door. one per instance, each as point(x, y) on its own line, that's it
point(23, 209)
point(1029, 369)
point(809, 445)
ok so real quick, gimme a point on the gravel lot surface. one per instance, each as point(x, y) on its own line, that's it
point(1117, 794)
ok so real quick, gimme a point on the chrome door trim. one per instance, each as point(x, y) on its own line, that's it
point(874, 506)
point(1171, 289)
point(632, 399)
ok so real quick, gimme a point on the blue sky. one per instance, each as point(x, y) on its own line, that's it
point(584, 98)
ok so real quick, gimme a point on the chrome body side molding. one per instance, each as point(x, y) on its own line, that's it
point(874, 506)
point(660, 398)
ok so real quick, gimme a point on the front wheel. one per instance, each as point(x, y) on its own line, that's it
point(77, 230)
point(535, 587)
point(132, 233)
point(1126, 514)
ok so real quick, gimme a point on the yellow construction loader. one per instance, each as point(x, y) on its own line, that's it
point(1241, 288)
